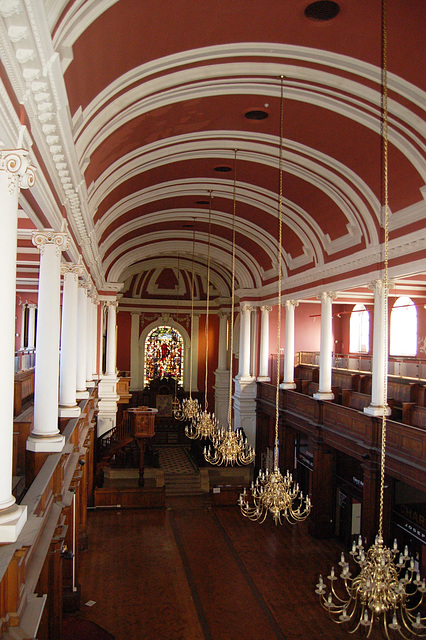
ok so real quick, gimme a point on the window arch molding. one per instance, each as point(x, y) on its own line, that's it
point(168, 321)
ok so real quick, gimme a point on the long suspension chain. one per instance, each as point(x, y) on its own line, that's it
point(280, 215)
point(192, 313)
point(231, 339)
point(206, 404)
point(386, 251)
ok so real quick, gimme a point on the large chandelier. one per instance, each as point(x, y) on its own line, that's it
point(204, 424)
point(229, 446)
point(189, 407)
point(272, 492)
point(387, 590)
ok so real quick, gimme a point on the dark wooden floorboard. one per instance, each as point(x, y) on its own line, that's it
point(194, 573)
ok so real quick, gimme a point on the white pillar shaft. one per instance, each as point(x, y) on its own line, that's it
point(94, 339)
point(264, 343)
point(47, 356)
point(31, 326)
point(81, 344)
point(222, 349)
point(111, 341)
point(326, 346)
point(244, 368)
point(289, 343)
point(194, 351)
point(68, 364)
point(379, 347)
point(24, 308)
point(8, 242)
point(89, 335)
point(100, 339)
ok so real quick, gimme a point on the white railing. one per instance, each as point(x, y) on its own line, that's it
point(24, 360)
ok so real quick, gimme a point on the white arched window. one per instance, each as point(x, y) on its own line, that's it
point(359, 341)
point(403, 328)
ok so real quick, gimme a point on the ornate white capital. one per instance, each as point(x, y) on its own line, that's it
point(111, 303)
point(291, 303)
point(244, 306)
point(378, 285)
point(265, 309)
point(327, 294)
point(20, 172)
point(69, 267)
point(48, 236)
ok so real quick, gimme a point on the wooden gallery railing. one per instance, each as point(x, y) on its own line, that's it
point(39, 572)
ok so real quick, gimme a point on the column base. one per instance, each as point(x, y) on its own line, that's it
point(263, 379)
point(69, 412)
point(45, 444)
point(324, 395)
point(82, 395)
point(12, 521)
point(377, 411)
point(90, 384)
point(288, 385)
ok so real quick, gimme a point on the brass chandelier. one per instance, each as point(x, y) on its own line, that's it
point(204, 424)
point(229, 446)
point(189, 407)
point(387, 591)
point(272, 492)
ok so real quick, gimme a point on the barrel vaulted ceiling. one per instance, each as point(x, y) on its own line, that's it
point(133, 109)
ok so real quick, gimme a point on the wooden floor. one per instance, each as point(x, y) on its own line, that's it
point(192, 572)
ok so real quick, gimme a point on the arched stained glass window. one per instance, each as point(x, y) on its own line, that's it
point(403, 328)
point(359, 330)
point(163, 354)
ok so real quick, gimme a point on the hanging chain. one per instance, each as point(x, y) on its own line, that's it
point(386, 252)
point(192, 312)
point(206, 404)
point(280, 216)
point(231, 340)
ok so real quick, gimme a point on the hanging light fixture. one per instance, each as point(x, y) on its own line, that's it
point(204, 424)
point(387, 592)
point(189, 407)
point(272, 492)
point(229, 446)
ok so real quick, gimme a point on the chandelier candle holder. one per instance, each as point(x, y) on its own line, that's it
point(189, 407)
point(204, 425)
point(229, 446)
point(387, 592)
point(272, 492)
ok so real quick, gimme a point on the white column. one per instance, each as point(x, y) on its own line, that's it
point(100, 340)
point(45, 435)
point(380, 360)
point(221, 386)
point(81, 391)
point(245, 342)
point(24, 308)
point(107, 388)
point(264, 345)
point(288, 382)
point(31, 326)
point(135, 368)
point(68, 363)
point(89, 340)
point(326, 347)
point(95, 305)
point(15, 173)
point(111, 345)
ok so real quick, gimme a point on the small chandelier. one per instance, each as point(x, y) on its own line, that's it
point(272, 492)
point(229, 446)
point(386, 592)
point(189, 407)
point(203, 424)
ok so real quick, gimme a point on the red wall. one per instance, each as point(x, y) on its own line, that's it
point(124, 320)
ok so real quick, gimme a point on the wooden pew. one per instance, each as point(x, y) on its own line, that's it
point(22, 426)
point(24, 389)
point(414, 415)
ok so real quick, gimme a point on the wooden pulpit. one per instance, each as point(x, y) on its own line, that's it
point(143, 427)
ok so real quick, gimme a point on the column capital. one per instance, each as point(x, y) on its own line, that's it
point(265, 308)
point(246, 306)
point(111, 303)
point(69, 267)
point(32, 305)
point(378, 285)
point(17, 164)
point(291, 303)
point(48, 236)
point(324, 295)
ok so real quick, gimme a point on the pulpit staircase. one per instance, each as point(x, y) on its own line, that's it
point(113, 441)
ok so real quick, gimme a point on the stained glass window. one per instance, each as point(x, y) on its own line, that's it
point(164, 354)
